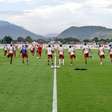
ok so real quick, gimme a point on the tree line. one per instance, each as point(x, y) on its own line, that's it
point(9, 39)
point(69, 40)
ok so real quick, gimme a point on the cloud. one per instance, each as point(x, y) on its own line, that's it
point(14, 1)
point(56, 15)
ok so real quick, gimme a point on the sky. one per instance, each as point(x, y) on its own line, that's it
point(53, 16)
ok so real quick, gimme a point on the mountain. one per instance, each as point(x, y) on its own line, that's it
point(52, 35)
point(86, 32)
point(15, 31)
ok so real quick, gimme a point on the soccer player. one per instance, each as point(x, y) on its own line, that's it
point(101, 53)
point(50, 54)
point(5, 50)
point(72, 54)
point(32, 50)
point(53, 49)
point(61, 55)
point(10, 53)
point(39, 51)
point(86, 51)
point(24, 54)
point(110, 52)
point(14, 50)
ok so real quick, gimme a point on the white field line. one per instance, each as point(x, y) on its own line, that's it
point(54, 103)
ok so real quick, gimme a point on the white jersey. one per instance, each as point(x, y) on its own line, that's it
point(5, 48)
point(11, 49)
point(53, 49)
point(101, 51)
point(49, 51)
point(32, 48)
point(110, 51)
point(14, 48)
point(71, 51)
point(61, 51)
point(86, 49)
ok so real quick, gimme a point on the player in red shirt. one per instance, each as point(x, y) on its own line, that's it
point(39, 51)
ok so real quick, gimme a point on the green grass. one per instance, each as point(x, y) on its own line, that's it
point(25, 88)
point(28, 88)
point(85, 91)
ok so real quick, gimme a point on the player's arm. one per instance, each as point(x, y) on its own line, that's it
point(98, 52)
point(69, 51)
point(45, 51)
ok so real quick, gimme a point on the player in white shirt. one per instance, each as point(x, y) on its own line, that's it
point(61, 55)
point(110, 53)
point(50, 54)
point(86, 52)
point(32, 50)
point(101, 53)
point(11, 53)
point(53, 49)
point(5, 50)
point(15, 48)
point(72, 54)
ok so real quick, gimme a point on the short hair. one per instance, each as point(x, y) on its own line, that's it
point(70, 46)
point(49, 45)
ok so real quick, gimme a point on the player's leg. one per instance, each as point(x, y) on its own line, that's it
point(23, 58)
point(59, 59)
point(70, 56)
point(40, 54)
point(48, 59)
point(52, 59)
point(27, 60)
point(101, 60)
point(71, 59)
point(85, 58)
point(63, 61)
point(111, 58)
point(11, 57)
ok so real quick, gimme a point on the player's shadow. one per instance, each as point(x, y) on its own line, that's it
point(81, 69)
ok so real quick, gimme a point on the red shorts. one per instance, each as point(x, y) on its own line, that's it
point(5, 52)
point(39, 52)
point(10, 55)
point(32, 51)
point(24, 56)
point(61, 56)
point(102, 56)
point(110, 55)
point(86, 55)
point(50, 56)
point(72, 56)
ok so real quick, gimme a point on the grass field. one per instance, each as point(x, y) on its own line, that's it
point(85, 91)
point(25, 88)
point(28, 88)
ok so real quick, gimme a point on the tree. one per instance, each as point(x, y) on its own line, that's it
point(28, 39)
point(95, 39)
point(20, 39)
point(7, 40)
point(86, 40)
